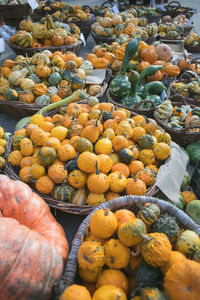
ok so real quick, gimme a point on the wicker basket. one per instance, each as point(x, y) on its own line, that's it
point(14, 11)
point(38, 14)
point(129, 202)
point(174, 9)
point(99, 39)
point(123, 5)
point(12, 172)
point(181, 137)
point(30, 51)
point(136, 109)
point(153, 19)
point(18, 110)
point(195, 49)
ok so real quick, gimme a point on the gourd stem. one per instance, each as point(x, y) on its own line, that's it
point(118, 296)
point(100, 115)
point(135, 292)
point(145, 237)
point(97, 168)
point(140, 205)
point(138, 249)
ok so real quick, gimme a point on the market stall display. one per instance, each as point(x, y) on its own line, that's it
point(113, 127)
point(154, 240)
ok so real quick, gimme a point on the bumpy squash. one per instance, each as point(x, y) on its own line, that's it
point(103, 219)
point(117, 255)
point(188, 243)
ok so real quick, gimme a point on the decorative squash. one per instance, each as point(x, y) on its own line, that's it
point(87, 162)
point(149, 54)
point(66, 152)
point(103, 146)
point(79, 197)
point(91, 255)
point(125, 155)
point(77, 179)
point(123, 216)
point(148, 213)
point(117, 255)
point(109, 292)
point(136, 166)
point(176, 256)
point(113, 277)
point(147, 176)
point(98, 183)
point(130, 232)
point(147, 157)
point(135, 186)
point(156, 249)
point(120, 167)
point(15, 158)
point(63, 192)
point(188, 196)
point(182, 280)
point(162, 151)
point(36, 171)
point(164, 52)
point(26, 147)
point(95, 199)
point(27, 97)
point(77, 292)
point(88, 276)
point(146, 141)
point(188, 243)
point(46, 156)
point(106, 163)
point(104, 218)
point(40, 89)
point(57, 173)
point(117, 182)
point(167, 225)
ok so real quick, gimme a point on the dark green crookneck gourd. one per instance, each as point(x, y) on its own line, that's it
point(120, 85)
point(132, 98)
point(150, 71)
point(152, 90)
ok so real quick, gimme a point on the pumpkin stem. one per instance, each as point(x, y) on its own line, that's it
point(100, 115)
point(125, 134)
point(97, 168)
point(120, 175)
point(95, 123)
point(133, 176)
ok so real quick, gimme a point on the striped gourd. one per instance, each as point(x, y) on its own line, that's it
point(172, 34)
point(39, 58)
point(16, 77)
point(63, 192)
point(117, 19)
point(196, 111)
point(129, 28)
point(79, 197)
point(119, 29)
point(161, 28)
point(16, 141)
point(170, 27)
point(27, 84)
point(142, 22)
point(151, 29)
point(43, 100)
point(148, 213)
point(52, 90)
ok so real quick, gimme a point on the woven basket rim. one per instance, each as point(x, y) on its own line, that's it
point(13, 46)
point(63, 206)
point(121, 202)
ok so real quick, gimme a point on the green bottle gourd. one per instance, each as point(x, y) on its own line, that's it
point(120, 85)
point(132, 98)
point(155, 88)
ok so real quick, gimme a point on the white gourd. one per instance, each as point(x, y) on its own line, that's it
point(16, 77)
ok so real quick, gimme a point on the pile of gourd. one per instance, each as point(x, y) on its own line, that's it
point(122, 27)
point(145, 56)
point(148, 256)
point(192, 40)
point(172, 28)
point(179, 117)
point(90, 153)
point(130, 91)
point(142, 11)
point(47, 34)
point(75, 10)
point(46, 6)
point(45, 77)
point(190, 89)
point(4, 136)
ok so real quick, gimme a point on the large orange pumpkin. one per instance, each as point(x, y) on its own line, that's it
point(32, 256)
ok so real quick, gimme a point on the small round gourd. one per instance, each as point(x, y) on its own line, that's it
point(146, 141)
point(113, 277)
point(43, 100)
point(117, 255)
point(83, 145)
point(156, 249)
point(57, 173)
point(46, 156)
point(98, 182)
point(77, 179)
point(188, 243)
point(130, 232)
point(109, 292)
point(63, 192)
point(125, 155)
point(77, 292)
point(103, 219)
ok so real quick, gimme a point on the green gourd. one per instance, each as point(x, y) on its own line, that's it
point(54, 78)
point(167, 225)
point(153, 294)
point(120, 85)
point(42, 100)
point(132, 98)
point(152, 90)
point(63, 192)
point(150, 71)
point(10, 94)
point(146, 141)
